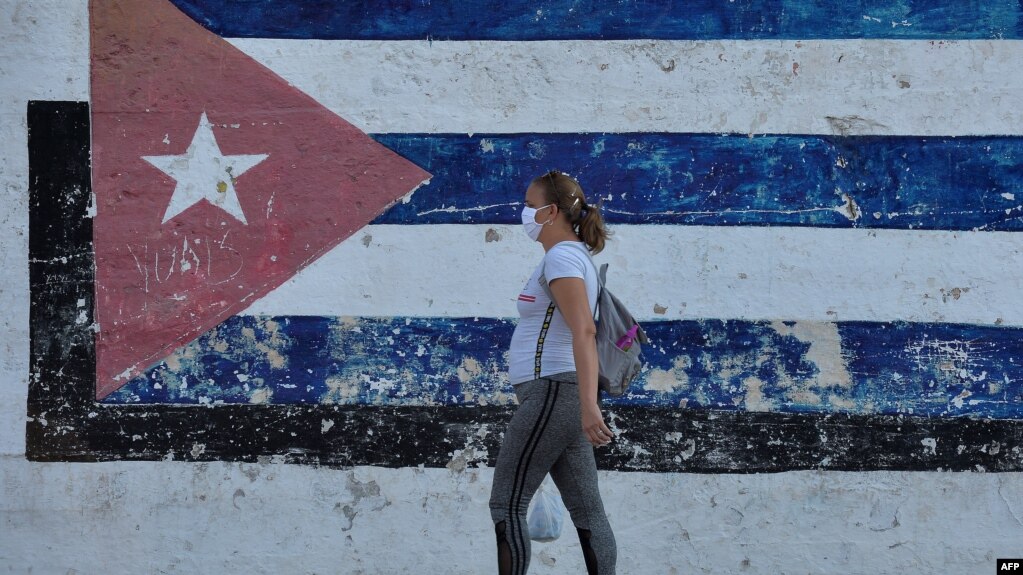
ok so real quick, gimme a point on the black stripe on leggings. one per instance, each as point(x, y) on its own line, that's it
point(519, 481)
point(518, 471)
point(523, 459)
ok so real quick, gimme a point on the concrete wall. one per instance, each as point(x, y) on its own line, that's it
point(831, 335)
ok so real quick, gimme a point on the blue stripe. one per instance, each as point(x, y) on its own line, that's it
point(936, 370)
point(897, 182)
point(608, 20)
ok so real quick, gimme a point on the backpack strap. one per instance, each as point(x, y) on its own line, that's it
point(541, 338)
point(601, 280)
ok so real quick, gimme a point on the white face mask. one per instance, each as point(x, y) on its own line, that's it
point(532, 228)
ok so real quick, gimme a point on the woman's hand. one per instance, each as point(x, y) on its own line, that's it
point(593, 424)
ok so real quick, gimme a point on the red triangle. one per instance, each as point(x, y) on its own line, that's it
point(160, 285)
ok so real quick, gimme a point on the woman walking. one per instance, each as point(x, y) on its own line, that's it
point(553, 368)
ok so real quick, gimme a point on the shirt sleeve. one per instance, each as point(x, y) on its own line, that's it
point(565, 262)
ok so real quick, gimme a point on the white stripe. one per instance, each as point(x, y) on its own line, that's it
point(673, 272)
point(907, 87)
point(977, 518)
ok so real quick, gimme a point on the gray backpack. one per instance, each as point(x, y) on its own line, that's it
point(617, 367)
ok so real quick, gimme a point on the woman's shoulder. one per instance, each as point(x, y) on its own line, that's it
point(569, 253)
point(573, 250)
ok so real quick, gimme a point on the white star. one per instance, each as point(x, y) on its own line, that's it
point(203, 172)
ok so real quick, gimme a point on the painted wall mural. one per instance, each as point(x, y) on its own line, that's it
point(285, 232)
point(310, 180)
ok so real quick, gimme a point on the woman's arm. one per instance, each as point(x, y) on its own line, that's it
point(570, 297)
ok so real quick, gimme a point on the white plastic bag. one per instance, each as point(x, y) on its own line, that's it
point(546, 514)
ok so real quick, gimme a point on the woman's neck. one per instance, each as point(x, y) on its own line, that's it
point(553, 237)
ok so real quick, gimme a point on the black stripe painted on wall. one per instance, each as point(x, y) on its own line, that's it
point(66, 424)
point(61, 263)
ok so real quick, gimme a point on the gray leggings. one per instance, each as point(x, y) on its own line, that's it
point(545, 435)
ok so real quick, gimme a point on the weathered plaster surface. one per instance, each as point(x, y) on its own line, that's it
point(769, 273)
point(43, 58)
point(730, 86)
point(782, 366)
point(264, 517)
point(903, 182)
point(272, 518)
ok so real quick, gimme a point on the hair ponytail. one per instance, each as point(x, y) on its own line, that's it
point(587, 222)
point(591, 228)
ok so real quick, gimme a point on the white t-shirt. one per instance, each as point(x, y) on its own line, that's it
point(563, 261)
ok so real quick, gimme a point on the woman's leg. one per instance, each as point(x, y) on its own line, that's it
point(575, 474)
point(535, 437)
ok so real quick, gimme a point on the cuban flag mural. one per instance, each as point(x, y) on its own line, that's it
point(289, 229)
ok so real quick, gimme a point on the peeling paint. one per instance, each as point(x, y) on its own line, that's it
point(669, 381)
point(845, 125)
point(757, 366)
point(953, 294)
point(707, 366)
point(342, 390)
point(849, 209)
point(804, 20)
point(904, 182)
point(754, 399)
point(359, 498)
point(469, 369)
point(825, 351)
point(261, 395)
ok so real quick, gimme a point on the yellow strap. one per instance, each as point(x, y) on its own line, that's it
point(539, 340)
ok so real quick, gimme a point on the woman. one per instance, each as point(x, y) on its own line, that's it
point(553, 368)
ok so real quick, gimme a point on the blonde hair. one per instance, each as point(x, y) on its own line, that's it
point(565, 192)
